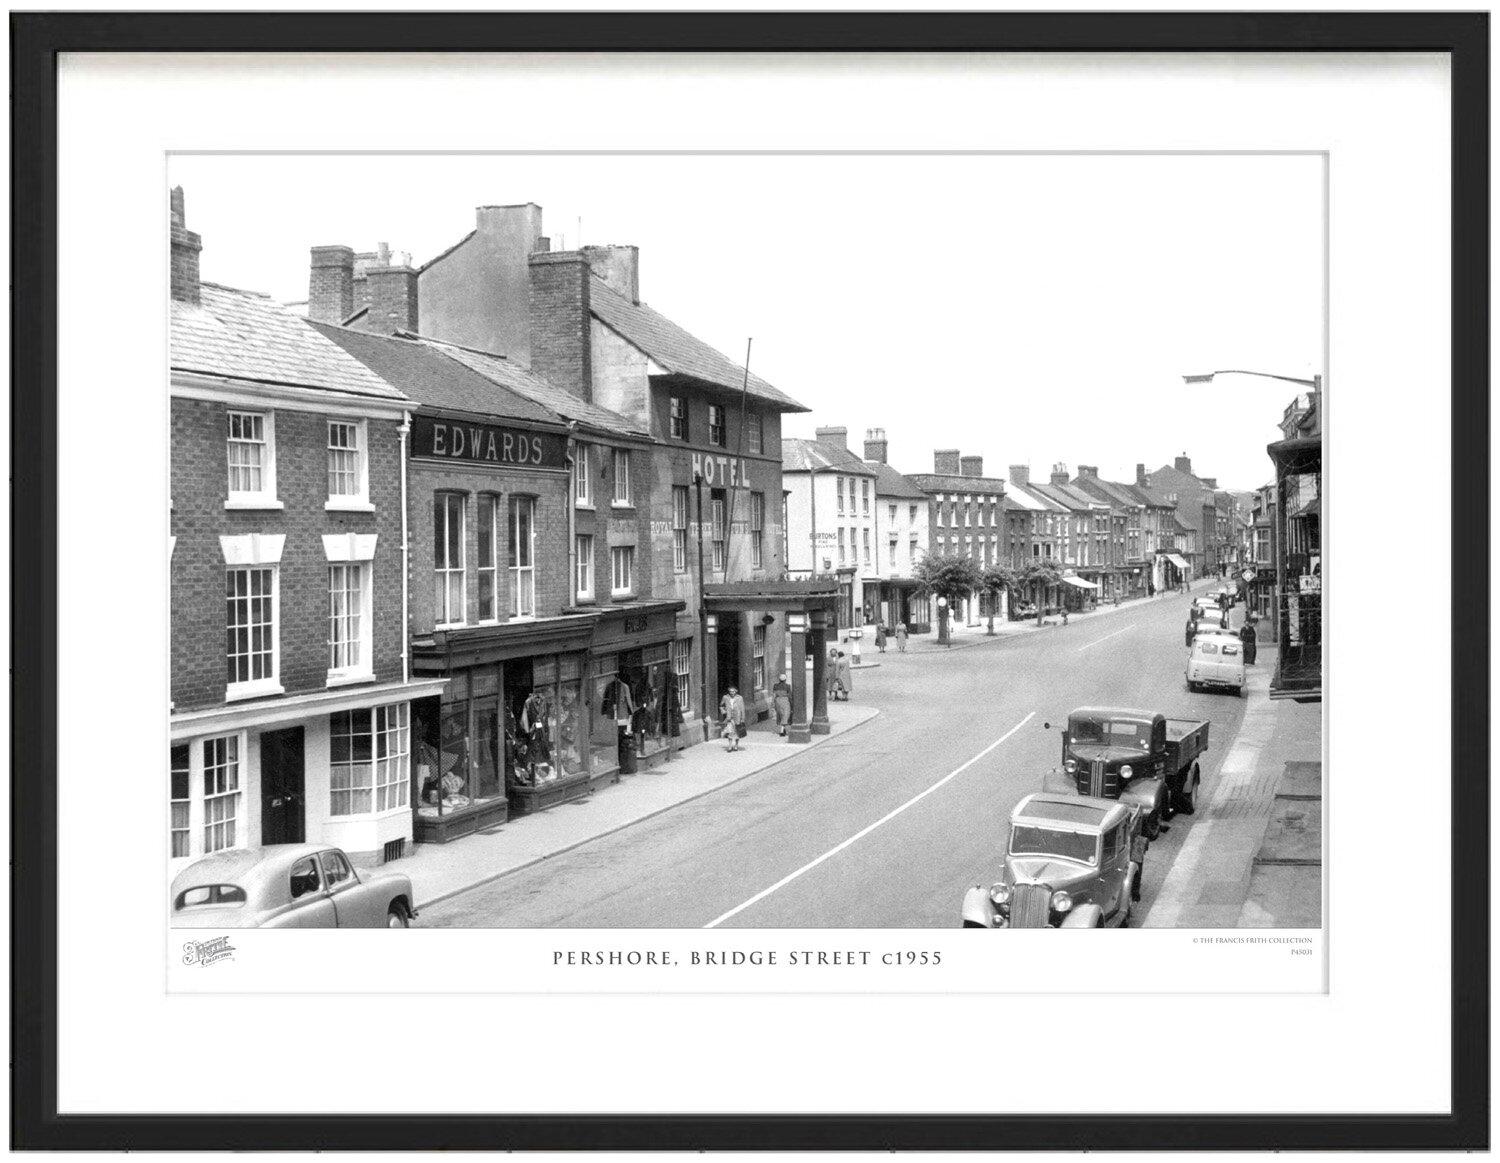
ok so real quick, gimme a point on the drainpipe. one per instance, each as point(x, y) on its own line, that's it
point(405, 433)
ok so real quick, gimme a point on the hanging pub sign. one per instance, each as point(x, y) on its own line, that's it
point(433, 438)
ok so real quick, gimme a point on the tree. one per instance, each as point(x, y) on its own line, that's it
point(947, 576)
point(992, 580)
point(1039, 573)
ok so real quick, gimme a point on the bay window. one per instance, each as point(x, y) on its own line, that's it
point(368, 752)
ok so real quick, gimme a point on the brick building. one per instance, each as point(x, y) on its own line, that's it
point(902, 537)
point(967, 516)
point(290, 690)
point(831, 514)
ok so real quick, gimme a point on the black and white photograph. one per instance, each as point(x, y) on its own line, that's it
point(629, 540)
point(776, 541)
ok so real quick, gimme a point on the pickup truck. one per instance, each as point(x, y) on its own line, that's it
point(1137, 757)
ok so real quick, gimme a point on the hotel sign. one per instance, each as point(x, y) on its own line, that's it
point(449, 440)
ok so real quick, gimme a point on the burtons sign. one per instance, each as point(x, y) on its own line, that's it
point(434, 439)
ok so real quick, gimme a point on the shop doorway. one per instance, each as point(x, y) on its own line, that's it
point(282, 811)
point(728, 656)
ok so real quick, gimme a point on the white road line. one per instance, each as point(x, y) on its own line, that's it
point(891, 815)
point(1106, 638)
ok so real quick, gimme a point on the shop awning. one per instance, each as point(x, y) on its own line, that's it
point(1080, 583)
point(1177, 561)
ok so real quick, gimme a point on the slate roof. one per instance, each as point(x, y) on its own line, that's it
point(522, 381)
point(1152, 497)
point(941, 482)
point(799, 455)
point(890, 483)
point(1110, 491)
point(1062, 495)
point(1022, 497)
point(676, 351)
point(430, 376)
point(249, 336)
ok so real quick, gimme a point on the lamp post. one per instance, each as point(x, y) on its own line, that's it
point(1279, 548)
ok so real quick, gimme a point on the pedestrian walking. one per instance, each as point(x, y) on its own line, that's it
point(1247, 639)
point(732, 714)
point(901, 637)
point(846, 677)
point(781, 702)
point(880, 637)
point(831, 674)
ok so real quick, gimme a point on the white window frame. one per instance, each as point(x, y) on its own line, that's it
point(843, 559)
point(358, 501)
point(757, 530)
point(719, 531)
point(184, 830)
point(758, 657)
point(838, 484)
point(268, 684)
point(679, 529)
point(722, 426)
point(232, 794)
point(755, 426)
point(386, 777)
point(617, 555)
point(865, 541)
point(682, 669)
point(677, 417)
point(487, 565)
point(620, 498)
point(441, 612)
point(521, 591)
point(864, 492)
point(583, 477)
point(583, 581)
point(265, 496)
point(359, 662)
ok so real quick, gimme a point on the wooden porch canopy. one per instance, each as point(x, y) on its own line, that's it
point(802, 595)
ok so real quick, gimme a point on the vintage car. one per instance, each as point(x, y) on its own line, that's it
point(1070, 863)
point(288, 886)
point(1204, 617)
point(1138, 757)
point(1216, 660)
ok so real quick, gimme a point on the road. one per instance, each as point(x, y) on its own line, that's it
point(883, 827)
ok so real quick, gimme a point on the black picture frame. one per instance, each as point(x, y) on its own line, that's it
point(36, 41)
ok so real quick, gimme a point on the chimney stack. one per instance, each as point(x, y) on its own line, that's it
point(1020, 474)
point(1184, 464)
point(186, 247)
point(558, 306)
point(618, 266)
point(875, 445)
point(393, 296)
point(1210, 482)
point(945, 462)
point(971, 466)
point(330, 288)
point(1059, 473)
point(839, 437)
point(1089, 470)
point(1141, 479)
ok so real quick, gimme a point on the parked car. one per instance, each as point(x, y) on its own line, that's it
point(1070, 863)
point(1217, 660)
point(288, 886)
point(1138, 757)
point(1201, 617)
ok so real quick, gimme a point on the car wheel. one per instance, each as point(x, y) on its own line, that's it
point(398, 917)
point(1189, 799)
point(1151, 828)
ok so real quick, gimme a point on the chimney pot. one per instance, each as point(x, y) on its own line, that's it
point(875, 445)
point(836, 436)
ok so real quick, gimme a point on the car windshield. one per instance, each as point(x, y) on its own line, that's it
point(1112, 732)
point(1034, 840)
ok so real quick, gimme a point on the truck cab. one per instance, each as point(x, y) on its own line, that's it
point(1117, 753)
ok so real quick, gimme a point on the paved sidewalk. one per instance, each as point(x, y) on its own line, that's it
point(1253, 856)
point(439, 871)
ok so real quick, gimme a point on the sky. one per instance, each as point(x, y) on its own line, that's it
point(1029, 309)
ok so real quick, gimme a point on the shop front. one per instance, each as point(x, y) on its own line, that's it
point(897, 600)
point(634, 687)
point(511, 731)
